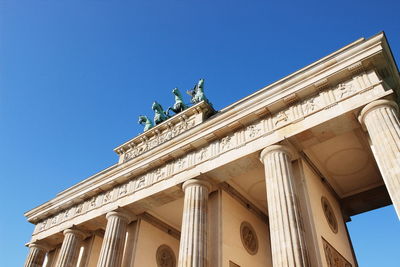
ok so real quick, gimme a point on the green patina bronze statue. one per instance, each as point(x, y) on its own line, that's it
point(197, 93)
point(178, 106)
point(197, 96)
point(159, 114)
point(146, 121)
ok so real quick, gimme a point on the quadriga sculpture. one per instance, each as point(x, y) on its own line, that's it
point(179, 105)
point(146, 121)
point(197, 93)
point(159, 114)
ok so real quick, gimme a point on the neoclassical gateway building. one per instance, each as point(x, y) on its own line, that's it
point(270, 180)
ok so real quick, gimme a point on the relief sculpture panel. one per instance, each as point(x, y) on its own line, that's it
point(165, 257)
point(333, 257)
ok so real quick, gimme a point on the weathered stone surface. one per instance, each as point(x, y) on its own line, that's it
point(69, 252)
point(287, 237)
point(114, 238)
point(193, 244)
point(381, 119)
point(36, 255)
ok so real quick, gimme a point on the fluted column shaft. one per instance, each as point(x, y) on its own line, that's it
point(381, 120)
point(193, 243)
point(51, 257)
point(70, 247)
point(287, 239)
point(114, 239)
point(36, 255)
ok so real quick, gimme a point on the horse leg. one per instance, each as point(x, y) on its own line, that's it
point(171, 108)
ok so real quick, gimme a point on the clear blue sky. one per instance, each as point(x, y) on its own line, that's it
point(75, 75)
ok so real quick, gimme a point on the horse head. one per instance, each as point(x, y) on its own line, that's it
point(147, 123)
point(156, 106)
point(177, 93)
point(200, 84)
point(142, 119)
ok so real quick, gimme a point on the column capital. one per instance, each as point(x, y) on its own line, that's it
point(201, 182)
point(36, 255)
point(112, 248)
point(281, 148)
point(79, 234)
point(39, 245)
point(121, 214)
point(374, 105)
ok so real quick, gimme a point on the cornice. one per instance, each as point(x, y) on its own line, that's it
point(304, 82)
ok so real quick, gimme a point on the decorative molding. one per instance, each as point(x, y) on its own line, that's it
point(291, 99)
point(259, 128)
point(321, 84)
point(356, 67)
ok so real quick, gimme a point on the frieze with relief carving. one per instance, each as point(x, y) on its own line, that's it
point(148, 144)
point(259, 128)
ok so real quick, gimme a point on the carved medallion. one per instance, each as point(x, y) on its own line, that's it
point(329, 214)
point(165, 256)
point(249, 238)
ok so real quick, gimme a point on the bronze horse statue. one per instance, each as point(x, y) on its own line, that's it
point(178, 106)
point(146, 121)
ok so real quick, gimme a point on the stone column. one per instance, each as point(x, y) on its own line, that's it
point(287, 240)
point(130, 243)
point(381, 120)
point(70, 247)
point(50, 258)
point(193, 243)
point(112, 248)
point(36, 255)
